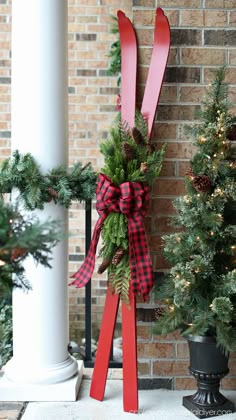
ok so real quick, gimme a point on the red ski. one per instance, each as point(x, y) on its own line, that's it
point(128, 68)
point(129, 342)
point(148, 109)
point(157, 67)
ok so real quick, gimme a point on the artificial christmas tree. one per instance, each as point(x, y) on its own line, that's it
point(20, 237)
point(200, 289)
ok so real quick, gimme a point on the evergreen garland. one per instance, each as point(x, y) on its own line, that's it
point(200, 289)
point(36, 189)
point(126, 153)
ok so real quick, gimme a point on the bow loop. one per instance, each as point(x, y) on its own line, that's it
point(107, 195)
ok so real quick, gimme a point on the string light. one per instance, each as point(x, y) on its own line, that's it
point(186, 199)
point(2, 263)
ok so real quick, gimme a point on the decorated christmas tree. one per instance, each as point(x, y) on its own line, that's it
point(199, 292)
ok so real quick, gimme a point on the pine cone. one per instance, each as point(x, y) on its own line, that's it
point(231, 134)
point(159, 312)
point(103, 266)
point(144, 167)
point(189, 173)
point(128, 151)
point(118, 256)
point(17, 253)
point(202, 183)
point(137, 136)
point(52, 192)
point(151, 148)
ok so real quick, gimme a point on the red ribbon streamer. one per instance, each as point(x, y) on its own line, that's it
point(131, 199)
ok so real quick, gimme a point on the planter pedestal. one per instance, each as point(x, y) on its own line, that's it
point(208, 365)
point(207, 401)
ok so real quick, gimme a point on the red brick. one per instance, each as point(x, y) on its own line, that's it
point(168, 337)
point(144, 368)
point(183, 167)
point(185, 383)
point(170, 368)
point(143, 332)
point(171, 187)
point(155, 350)
point(164, 131)
point(160, 263)
point(180, 3)
point(182, 351)
point(162, 206)
point(228, 382)
point(206, 56)
point(177, 150)
point(168, 169)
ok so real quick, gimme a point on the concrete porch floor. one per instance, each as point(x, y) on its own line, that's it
point(153, 405)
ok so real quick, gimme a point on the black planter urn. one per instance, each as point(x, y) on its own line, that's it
point(208, 365)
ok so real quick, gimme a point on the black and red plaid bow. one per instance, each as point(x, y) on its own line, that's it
point(131, 199)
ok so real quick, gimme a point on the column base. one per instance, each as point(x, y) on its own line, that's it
point(19, 372)
point(61, 391)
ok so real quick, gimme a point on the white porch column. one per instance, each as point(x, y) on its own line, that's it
point(39, 126)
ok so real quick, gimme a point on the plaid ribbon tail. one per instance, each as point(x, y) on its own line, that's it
point(84, 274)
point(140, 259)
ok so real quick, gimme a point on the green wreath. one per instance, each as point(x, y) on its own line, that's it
point(36, 189)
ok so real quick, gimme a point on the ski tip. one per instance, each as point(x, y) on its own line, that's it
point(160, 12)
point(120, 14)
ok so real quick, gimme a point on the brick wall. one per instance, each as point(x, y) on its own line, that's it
point(203, 36)
point(5, 77)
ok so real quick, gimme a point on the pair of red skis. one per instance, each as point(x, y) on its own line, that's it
point(148, 109)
